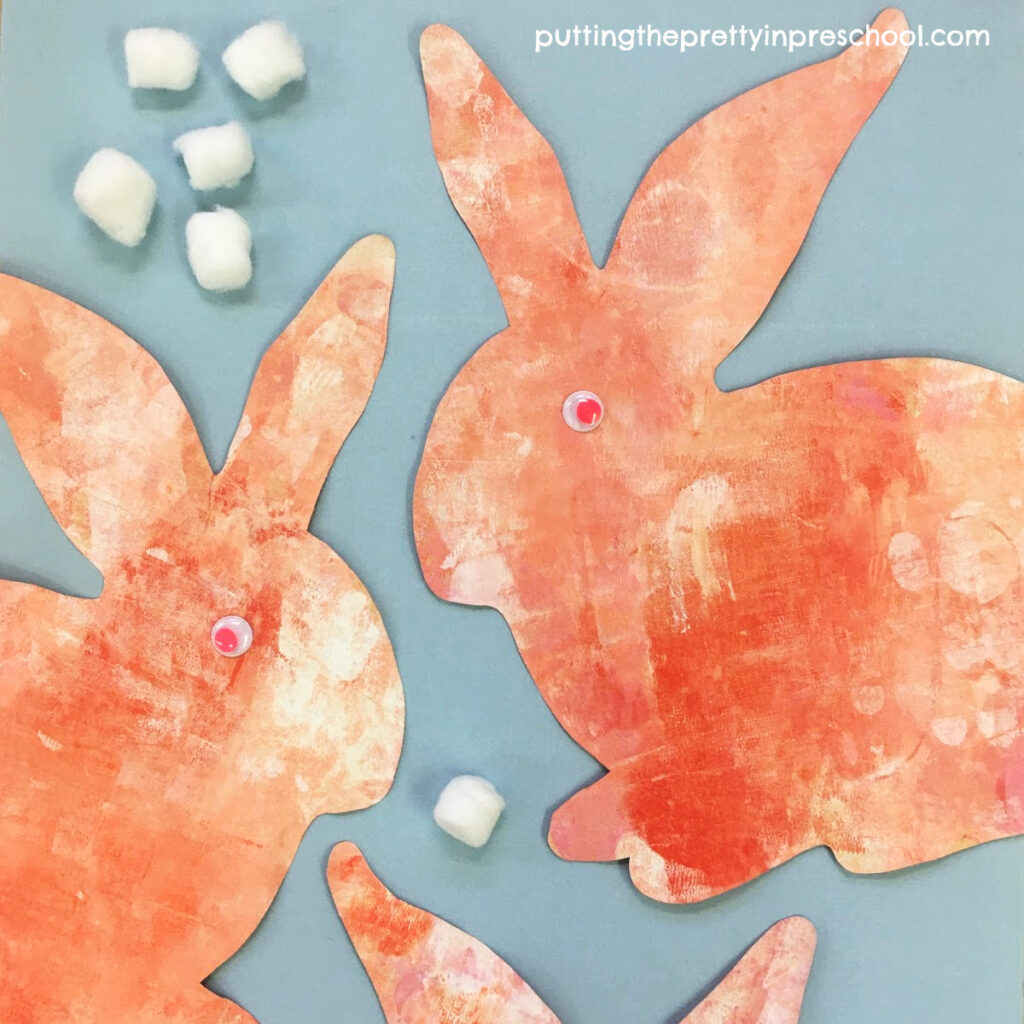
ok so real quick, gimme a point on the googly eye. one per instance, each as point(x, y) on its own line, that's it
point(583, 411)
point(231, 636)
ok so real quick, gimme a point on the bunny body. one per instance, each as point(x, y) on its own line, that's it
point(782, 616)
point(153, 790)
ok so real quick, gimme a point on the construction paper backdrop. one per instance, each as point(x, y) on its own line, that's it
point(155, 790)
point(426, 971)
point(784, 616)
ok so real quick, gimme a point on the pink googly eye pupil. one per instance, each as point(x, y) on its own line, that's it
point(582, 411)
point(225, 640)
point(588, 410)
point(231, 636)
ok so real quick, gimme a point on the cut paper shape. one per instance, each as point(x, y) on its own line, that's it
point(783, 616)
point(153, 790)
point(425, 970)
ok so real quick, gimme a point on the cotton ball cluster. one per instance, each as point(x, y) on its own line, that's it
point(118, 194)
point(219, 245)
point(468, 809)
point(265, 58)
point(216, 157)
point(160, 58)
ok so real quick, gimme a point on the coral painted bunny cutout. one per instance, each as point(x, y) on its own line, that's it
point(785, 616)
point(154, 790)
point(426, 971)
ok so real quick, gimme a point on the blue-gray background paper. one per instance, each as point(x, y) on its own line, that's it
point(916, 249)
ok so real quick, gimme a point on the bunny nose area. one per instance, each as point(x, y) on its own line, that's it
point(437, 561)
point(460, 559)
point(461, 498)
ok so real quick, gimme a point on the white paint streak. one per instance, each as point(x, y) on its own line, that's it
point(997, 724)
point(49, 742)
point(868, 700)
point(975, 558)
point(908, 562)
point(950, 731)
point(255, 769)
point(706, 503)
point(481, 580)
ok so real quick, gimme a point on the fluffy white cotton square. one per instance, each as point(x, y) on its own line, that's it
point(468, 809)
point(219, 246)
point(160, 58)
point(118, 194)
point(216, 157)
point(265, 58)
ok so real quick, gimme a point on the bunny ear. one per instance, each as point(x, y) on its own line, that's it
point(100, 427)
point(424, 970)
point(767, 985)
point(311, 387)
point(720, 215)
point(501, 174)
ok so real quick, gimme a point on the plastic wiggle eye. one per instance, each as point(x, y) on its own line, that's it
point(583, 410)
point(231, 636)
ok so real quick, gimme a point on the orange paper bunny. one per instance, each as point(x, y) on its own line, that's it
point(782, 616)
point(426, 971)
point(154, 790)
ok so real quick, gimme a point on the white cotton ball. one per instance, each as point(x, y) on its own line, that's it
point(117, 193)
point(219, 244)
point(264, 58)
point(216, 157)
point(468, 809)
point(160, 58)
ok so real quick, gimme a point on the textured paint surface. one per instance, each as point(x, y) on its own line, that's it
point(783, 616)
point(426, 971)
point(154, 792)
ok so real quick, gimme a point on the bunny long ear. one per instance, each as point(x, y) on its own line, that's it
point(720, 215)
point(424, 970)
point(501, 174)
point(100, 427)
point(311, 388)
point(767, 985)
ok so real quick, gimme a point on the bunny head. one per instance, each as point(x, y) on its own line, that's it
point(150, 760)
point(425, 970)
point(782, 616)
point(513, 508)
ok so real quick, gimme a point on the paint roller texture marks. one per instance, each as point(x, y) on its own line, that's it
point(426, 971)
point(784, 616)
point(153, 790)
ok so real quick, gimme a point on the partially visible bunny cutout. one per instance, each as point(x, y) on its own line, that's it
point(425, 970)
point(154, 790)
point(785, 616)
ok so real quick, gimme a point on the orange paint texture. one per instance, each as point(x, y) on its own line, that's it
point(784, 616)
point(153, 791)
point(426, 971)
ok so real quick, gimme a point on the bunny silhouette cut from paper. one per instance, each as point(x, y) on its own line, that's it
point(425, 970)
point(154, 784)
point(780, 617)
